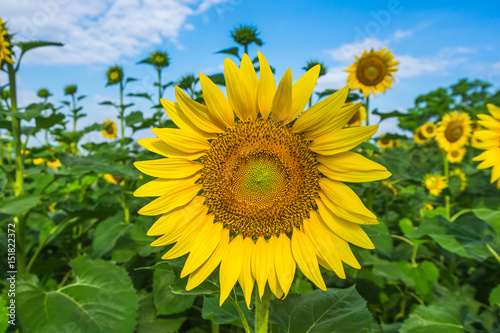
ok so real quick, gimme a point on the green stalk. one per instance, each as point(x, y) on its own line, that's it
point(122, 111)
point(74, 112)
point(234, 300)
point(159, 97)
point(367, 103)
point(46, 115)
point(126, 210)
point(447, 197)
point(262, 311)
point(497, 257)
point(16, 131)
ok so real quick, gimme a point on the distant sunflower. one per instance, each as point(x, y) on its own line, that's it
point(387, 143)
point(358, 118)
point(435, 183)
point(372, 72)
point(114, 179)
point(456, 155)
point(419, 137)
point(453, 131)
point(5, 53)
point(54, 163)
point(429, 130)
point(258, 195)
point(111, 130)
point(461, 177)
point(489, 140)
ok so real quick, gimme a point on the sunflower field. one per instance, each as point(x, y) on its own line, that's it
point(256, 204)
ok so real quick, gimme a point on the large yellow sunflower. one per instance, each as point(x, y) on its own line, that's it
point(111, 130)
point(372, 72)
point(453, 131)
point(4, 45)
point(258, 195)
point(489, 140)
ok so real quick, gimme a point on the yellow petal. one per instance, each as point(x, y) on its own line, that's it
point(342, 140)
point(190, 236)
point(494, 110)
point(250, 77)
point(272, 278)
point(230, 267)
point(349, 231)
point(160, 147)
point(180, 196)
point(246, 278)
point(199, 275)
point(197, 113)
point(324, 246)
point(282, 101)
point(351, 167)
point(182, 120)
point(317, 115)
point(161, 186)
point(345, 213)
point(202, 249)
point(182, 140)
point(217, 104)
point(178, 216)
point(266, 88)
point(338, 120)
point(305, 256)
point(261, 264)
point(489, 122)
point(169, 167)
point(301, 92)
point(284, 263)
point(238, 92)
point(489, 157)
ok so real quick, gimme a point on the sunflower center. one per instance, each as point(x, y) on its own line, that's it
point(454, 132)
point(385, 141)
point(454, 153)
point(109, 129)
point(371, 71)
point(260, 179)
point(429, 129)
point(421, 136)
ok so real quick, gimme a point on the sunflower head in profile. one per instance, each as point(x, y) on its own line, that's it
point(111, 130)
point(5, 46)
point(489, 141)
point(453, 131)
point(435, 183)
point(456, 155)
point(372, 72)
point(385, 143)
point(460, 176)
point(419, 137)
point(358, 118)
point(249, 185)
point(428, 130)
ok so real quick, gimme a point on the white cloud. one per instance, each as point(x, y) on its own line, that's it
point(335, 78)
point(99, 31)
point(497, 65)
point(347, 52)
point(401, 34)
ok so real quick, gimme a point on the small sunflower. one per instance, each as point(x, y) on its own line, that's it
point(390, 187)
point(456, 155)
point(429, 206)
point(435, 183)
point(114, 74)
point(489, 140)
point(388, 143)
point(428, 130)
point(258, 195)
point(453, 131)
point(37, 161)
point(5, 53)
point(372, 72)
point(114, 179)
point(419, 137)
point(358, 118)
point(54, 163)
point(461, 177)
point(111, 130)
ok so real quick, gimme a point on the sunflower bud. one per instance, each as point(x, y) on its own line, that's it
point(114, 75)
point(159, 59)
point(70, 89)
point(245, 35)
point(43, 93)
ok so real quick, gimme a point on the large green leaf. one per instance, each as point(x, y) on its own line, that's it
point(495, 296)
point(26, 46)
point(334, 310)
point(224, 314)
point(81, 165)
point(148, 322)
point(466, 236)
point(166, 302)
point(437, 318)
point(488, 209)
point(17, 205)
point(101, 299)
point(4, 314)
point(107, 233)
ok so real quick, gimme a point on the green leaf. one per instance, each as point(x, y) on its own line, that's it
point(218, 79)
point(149, 323)
point(27, 46)
point(385, 115)
point(32, 111)
point(107, 233)
point(4, 314)
point(17, 205)
point(133, 118)
point(396, 160)
point(101, 299)
point(406, 225)
point(437, 318)
point(381, 238)
point(166, 302)
point(48, 122)
point(488, 209)
point(232, 51)
point(466, 236)
point(334, 310)
point(495, 296)
point(77, 165)
point(224, 314)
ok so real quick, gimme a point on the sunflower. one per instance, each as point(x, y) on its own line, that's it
point(461, 177)
point(372, 72)
point(114, 179)
point(111, 130)
point(5, 53)
point(489, 140)
point(258, 195)
point(358, 118)
point(54, 163)
point(428, 130)
point(419, 137)
point(453, 131)
point(456, 155)
point(387, 143)
point(435, 183)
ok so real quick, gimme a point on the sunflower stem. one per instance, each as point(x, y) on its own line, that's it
point(495, 254)
point(122, 118)
point(159, 97)
point(244, 321)
point(262, 311)
point(367, 110)
point(16, 131)
point(447, 197)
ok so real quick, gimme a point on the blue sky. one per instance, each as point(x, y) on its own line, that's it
point(436, 42)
